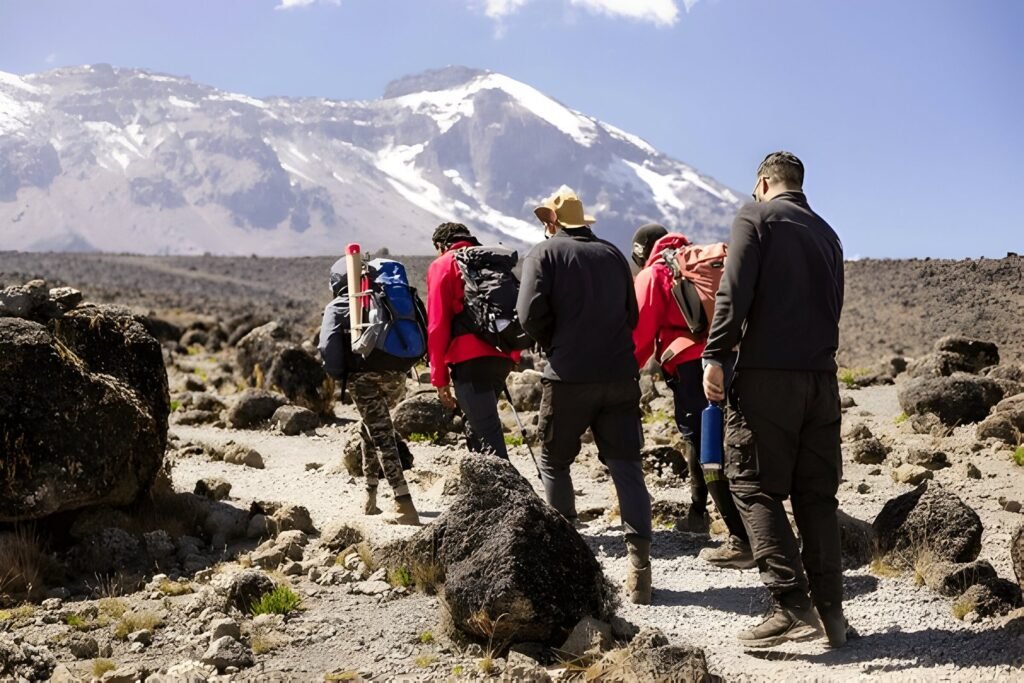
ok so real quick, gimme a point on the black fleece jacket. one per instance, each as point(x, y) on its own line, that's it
point(576, 300)
point(782, 292)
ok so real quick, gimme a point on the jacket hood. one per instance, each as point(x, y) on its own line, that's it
point(339, 277)
point(673, 240)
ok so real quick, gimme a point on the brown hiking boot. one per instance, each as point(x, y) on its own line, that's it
point(733, 554)
point(835, 623)
point(406, 511)
point(370, 507)
point(783, 625)
point(638, 578)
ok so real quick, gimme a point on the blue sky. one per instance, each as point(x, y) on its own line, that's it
point(907, 113)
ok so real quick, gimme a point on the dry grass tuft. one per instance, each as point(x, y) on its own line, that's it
point(24, 563)
point(141, 620)
point(102, 666)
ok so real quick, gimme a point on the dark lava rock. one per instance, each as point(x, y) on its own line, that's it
point(957, 399)
point(928, 519)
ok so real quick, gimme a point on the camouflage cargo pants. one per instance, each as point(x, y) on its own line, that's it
point(370, 392)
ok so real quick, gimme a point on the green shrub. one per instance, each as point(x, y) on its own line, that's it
point(417, 437)
point(400, 577)
point(1018, 456)
point(901, 418)
point(657, 416)
point(427, 637)
point(175, 406)
point(75, 621)
point(281, 600)
point(513, 440)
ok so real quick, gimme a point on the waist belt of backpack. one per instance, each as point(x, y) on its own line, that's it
point(676, 347)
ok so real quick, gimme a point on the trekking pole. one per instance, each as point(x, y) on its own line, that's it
point(522, 430)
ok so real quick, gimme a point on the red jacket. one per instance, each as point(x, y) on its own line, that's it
point(446, 295)
point(661, 322)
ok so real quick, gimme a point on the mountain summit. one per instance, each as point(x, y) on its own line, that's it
point(116, 159)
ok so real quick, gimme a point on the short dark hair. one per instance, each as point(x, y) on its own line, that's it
point(448, 233)
point(784, 167)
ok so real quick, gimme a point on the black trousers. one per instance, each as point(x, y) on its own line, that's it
point(612, 412)
point(687, 385)
point(782, 440)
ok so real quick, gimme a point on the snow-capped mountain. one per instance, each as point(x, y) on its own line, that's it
point(112, 159)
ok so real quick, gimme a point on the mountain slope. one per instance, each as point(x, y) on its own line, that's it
point(110, 159)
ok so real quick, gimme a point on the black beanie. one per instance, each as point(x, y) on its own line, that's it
point(643, 242)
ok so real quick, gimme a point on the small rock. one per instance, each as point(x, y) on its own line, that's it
point(227, 652)
point(143, 636)
point(247, 587)
point(257, 527)
point(1009, 505)
point(82, 646)
point(863, 488)
point(293, 420)
point(292, 568)
point(51, 603)
point(128, 673)
point(290, 517)
point(313, 466)
point(213, 488)
point(371, 587)
point(589, 638)
point(220, 628)
point(869, 451)
point(911, 474)
point(970, 471)
point(856, 431)
point(240, 455)
point(990, 598)
point(267, 558)
point(932, 460)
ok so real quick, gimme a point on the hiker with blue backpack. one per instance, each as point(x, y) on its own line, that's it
point(474, 337)
point(370, 353)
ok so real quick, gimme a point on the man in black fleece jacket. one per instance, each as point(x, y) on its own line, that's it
point(576, 300)
point(780, 302)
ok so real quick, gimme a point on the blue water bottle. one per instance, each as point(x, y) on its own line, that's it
point(711, 437)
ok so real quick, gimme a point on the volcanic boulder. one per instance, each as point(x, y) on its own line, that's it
point(83, 413)
point(928, 519)
point(957, 399)
point(516, 570)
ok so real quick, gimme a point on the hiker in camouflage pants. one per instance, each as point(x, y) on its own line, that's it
point(370, 392)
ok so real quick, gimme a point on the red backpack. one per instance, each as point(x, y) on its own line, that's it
point(696, 274)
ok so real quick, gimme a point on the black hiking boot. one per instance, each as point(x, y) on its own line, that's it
point(783, 625)
point(698, 521)
point(733, 554)
point(836, 626)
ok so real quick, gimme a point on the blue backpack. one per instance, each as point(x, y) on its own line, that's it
point(394, 320)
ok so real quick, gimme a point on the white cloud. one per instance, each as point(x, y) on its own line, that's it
point(51, 58)
point(496, 9)
point(292, 4)
point(657, 12)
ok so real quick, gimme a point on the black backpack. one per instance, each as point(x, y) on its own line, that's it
point(489, 309)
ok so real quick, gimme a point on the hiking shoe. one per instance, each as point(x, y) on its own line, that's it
point(835, 623)
point(406, 511)
point(638, 577)
point(370, 506)
point(697, 521)
point(733, 554)
point(783, 625)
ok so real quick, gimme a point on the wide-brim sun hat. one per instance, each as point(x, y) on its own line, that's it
point(566, 209)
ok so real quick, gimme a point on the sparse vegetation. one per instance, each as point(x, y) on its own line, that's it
point(427, 576)
point(114, 608)
point(417, 437)
point(17, 613)
point(882, 567)
point(400, 577)
point(427, 637)
point(1018, 456)
point(424, 661)
point(513, 440)
point(175, 406)
point(23, 562)
point(76, 621)
point(342, 676)
point(457, 670)
point(174, 588)
point(901, 418)
point(961, 608)
point(656, 416)
point(263, 641)
point(486, 665)
point(849, 376)
point(130, 622)
point(102, 666)
point(281, 600)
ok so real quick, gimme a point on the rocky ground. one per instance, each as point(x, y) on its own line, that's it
point(892, 306)
point(261, 496)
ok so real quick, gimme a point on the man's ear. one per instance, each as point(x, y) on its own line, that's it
point(547, 214)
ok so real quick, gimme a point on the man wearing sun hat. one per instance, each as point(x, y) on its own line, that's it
point(576, 300)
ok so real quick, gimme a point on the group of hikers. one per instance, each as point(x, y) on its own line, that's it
point(752, 326)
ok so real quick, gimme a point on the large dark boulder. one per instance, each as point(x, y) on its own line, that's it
point(253, 407)
point(515, 570)
point(928, 519)
point(955, 400)
point(270, 357)
point(939, 364)
point(302, 378)
point(422, 414)
point(83, 412)
point(976, 352)
point(990, 598)
point(1006, 422)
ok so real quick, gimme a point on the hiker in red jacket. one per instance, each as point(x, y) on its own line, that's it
point(477, 370)
point(661, 324)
